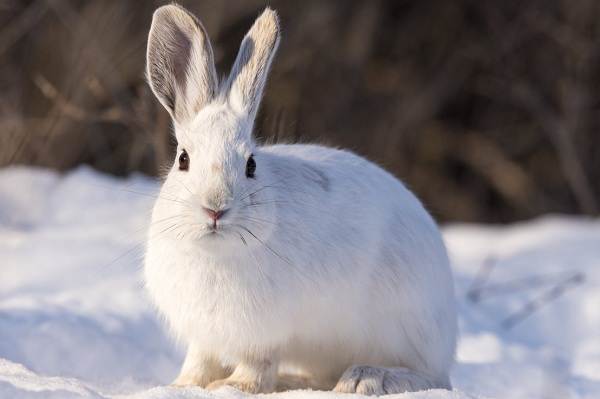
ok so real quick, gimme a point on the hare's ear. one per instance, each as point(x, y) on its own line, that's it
point(249, 72)
point(180, 64)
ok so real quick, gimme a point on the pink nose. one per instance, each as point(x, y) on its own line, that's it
point(214, 215)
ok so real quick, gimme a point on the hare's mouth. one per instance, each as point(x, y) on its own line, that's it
point(212, 229)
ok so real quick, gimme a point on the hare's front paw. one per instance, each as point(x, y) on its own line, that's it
point(251, 377)
point(189, 379)
point(196, 379)
point(244, 386)
point(199, 370)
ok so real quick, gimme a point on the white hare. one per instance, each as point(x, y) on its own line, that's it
point(285, 266)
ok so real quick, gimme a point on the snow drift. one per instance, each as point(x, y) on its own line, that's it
point(75, 321)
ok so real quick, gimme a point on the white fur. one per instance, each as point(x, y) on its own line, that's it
point(323, 261)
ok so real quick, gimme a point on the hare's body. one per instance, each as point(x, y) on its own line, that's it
point(353, 272)
point(314, 261)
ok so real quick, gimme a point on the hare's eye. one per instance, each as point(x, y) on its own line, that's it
point(184, 161)
point(250, 167)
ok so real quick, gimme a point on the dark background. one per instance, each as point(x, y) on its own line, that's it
point(488, 110)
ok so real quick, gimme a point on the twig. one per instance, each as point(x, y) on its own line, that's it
point(544, 299)
point(22, 24)
point(67, 108)
point(482, 276)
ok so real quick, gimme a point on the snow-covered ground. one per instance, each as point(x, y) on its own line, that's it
point(75, 321)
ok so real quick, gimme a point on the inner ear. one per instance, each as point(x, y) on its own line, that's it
point(166, 85)
point(180, 64)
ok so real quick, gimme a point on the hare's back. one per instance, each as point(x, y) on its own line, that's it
point(351, 185)
point(312, 153)
point(344, 171)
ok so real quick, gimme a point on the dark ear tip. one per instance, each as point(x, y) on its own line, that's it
point(165, 10)
point(174, 14)
point(170, 11)
point(269, 19)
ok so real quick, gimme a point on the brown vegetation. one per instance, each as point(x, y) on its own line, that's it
point(487, 109)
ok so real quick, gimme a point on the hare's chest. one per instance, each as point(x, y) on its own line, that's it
point(211, 299)
point(185, 287)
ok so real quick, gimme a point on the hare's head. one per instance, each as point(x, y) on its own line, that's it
point(217, 174)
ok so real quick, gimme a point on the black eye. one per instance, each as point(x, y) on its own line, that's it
point(250, 167)
point(184, 161)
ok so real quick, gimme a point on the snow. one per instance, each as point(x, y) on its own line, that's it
point(75, 321)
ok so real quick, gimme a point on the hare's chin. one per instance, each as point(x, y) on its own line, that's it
point(218, 243)
point(216, 234)
point(221, 234)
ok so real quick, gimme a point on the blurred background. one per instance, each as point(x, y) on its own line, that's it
point(488, 110)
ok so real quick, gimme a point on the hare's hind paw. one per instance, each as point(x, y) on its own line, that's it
point(367, 380)
point(364, 380)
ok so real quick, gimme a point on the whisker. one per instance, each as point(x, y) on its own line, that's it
point(243, 239)
point(251, 204)
point(155, 222)
point(258, 221)
point(252, 218)
point(286, 260)
point(191, 229)
point(243, 194)
point(172, 227)
point(254, 192)
point(122, 255)
point(270, 185)
point(134, 248)
point(263, 243)
point(275, 201)
point(257, 263)
point(184, 186)
point(150, 195)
